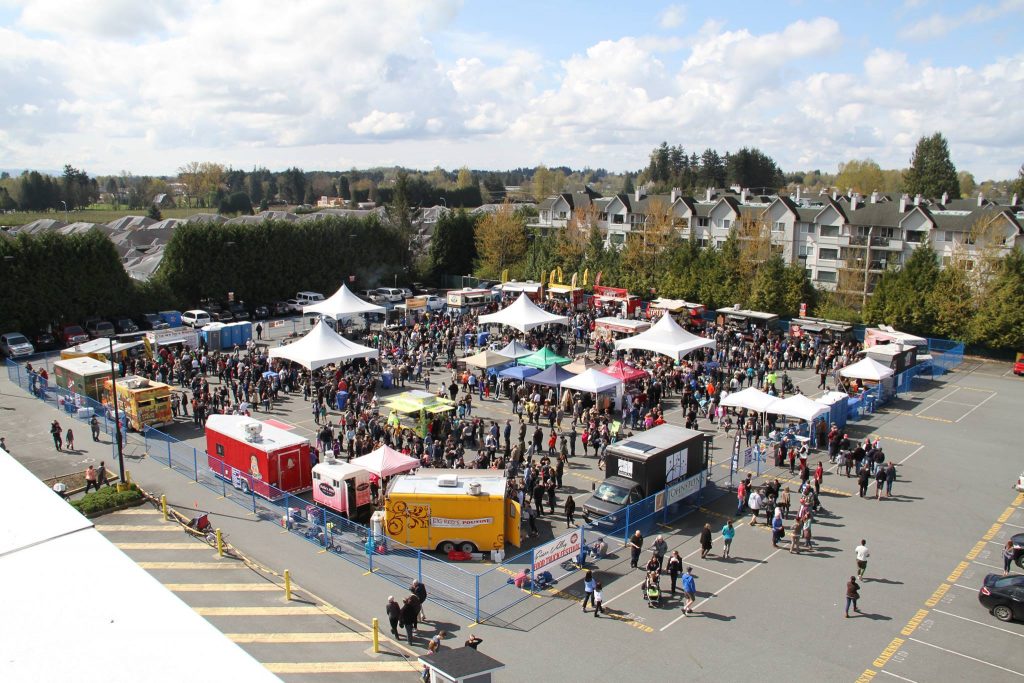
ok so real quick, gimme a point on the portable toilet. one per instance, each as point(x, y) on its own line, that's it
point(232, 336)
point(244, 332)
point(212, 335)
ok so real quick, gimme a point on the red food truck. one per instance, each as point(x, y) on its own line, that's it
point(615, 297)
point(575, 297)
point(254, 456)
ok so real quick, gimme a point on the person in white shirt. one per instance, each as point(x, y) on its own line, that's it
point(754, 502)
point(862, 554)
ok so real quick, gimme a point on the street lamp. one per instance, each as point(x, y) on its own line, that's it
point(65, 210)
point(117, 420)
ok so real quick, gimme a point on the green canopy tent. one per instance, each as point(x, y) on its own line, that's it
point(543, 359)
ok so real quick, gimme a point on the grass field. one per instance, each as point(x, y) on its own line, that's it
point(97, 213)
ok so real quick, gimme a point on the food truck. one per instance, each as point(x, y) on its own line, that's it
point(100, 349)
point(342, 487)
point(616, 298)
point(83, 375)
point(446, 510)
point(884, 334)
point(608, 328)
point(694, 312)
point(575, 297)
point(254, 456)
point(736, 316)
point(466, 300)
point(512, 289)
point(185, 336)
point(830, 329)
point(142, 401)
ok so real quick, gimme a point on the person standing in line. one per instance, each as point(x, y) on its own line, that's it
point(394, 611)
point(862, 480)
point(794, 538)
point(675, 568)
point(755, 506)
point(597, 598)
point(807, 533)
point(862, 554)
point(784, 502)
point(689, 590)
point(570, 511)
point(890, 479)
point(1007, 557)
point(589, 584)
point(636, 544)
point(728, 533)
point(705, 541)
point(852, 595)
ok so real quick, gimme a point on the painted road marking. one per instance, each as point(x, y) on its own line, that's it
point(914, 622)
point(138, 527)
point(299, 637)
point(217, 587)
point(937, 401)
point(1007, 513)
point(922, 417)
point(337, 667)
point(916, 451)
point(868, 675)
point(899, 440)
point(977, 406)
point(992, 531)
point(973, 659)
point(138, 511)
point(902, 678)
point(292, 611)
point(981, 623)
point(162, 546)
point(1018, 501)
point(958, 571)
point(892, 648)
point(978, 547)
point(934, 600)
point(722, 589)
point(990, 566)
point(191, 565)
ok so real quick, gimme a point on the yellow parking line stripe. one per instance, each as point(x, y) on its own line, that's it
point(162, 546)
point(295, 611)
point(191, 565)
point(299, 637)
point(138, 527)
point(217, 587)
point(337, 667)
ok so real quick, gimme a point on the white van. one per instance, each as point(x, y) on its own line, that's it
point(195, 318)
point(391, 294)
point(309, 298)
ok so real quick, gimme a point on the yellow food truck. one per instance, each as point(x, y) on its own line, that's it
point(143, 402)
point(448, 510)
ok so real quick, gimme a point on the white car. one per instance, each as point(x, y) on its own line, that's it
point(435, 303)
point(16, 345)
point(294, 305)
point(391, 294)
point(196, 318)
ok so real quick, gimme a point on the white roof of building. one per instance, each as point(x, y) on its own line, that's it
point(492, 483)
point(84, 365)
point(271, 438)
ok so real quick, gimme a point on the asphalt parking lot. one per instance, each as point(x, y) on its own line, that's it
point(955, 440)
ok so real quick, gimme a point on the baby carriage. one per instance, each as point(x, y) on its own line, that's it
point(652, 592)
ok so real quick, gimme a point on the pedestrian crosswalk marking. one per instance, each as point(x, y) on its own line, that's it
point(103, 528)
point(337, 667)
point(343, 637)
point(220, 587)
point(289, 611)
point(162, 546)
point(191, 565)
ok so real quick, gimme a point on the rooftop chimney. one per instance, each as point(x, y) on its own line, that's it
point(854, 199)
point(1013, 202)
point(981, 199)
point(904, 200)
point(744, 195)
point(945, 198)
point(636, 194)
point(675, 194)
point(874, 196)
point(798, 193)
point(917, 200)
point(835, 194)
point(707, 196)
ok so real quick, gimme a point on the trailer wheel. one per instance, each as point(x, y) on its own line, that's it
point(447, 547)
point(467, 548)
point(245, 487)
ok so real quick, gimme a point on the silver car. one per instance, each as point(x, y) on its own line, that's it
point(16, 345)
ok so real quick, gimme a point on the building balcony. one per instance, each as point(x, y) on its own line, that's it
point(852, 240)
point(887, 243)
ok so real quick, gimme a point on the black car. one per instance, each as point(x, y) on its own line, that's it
point(238, 310)
point(1003, 596)
point(261, 312)
point(221, 316)
point(281, 308)
point(44, 341)
point(125, 325)
point(151, 321)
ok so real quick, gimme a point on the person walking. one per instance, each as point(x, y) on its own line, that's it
point(636, 544)
point(94, 427)
point(407, 616)
point(728, 533)
point(852, 595)
point(659, 548)
point(589, 584)
point(741, 497)
point(90, 479)
point(420, 591)
point(705, 541)
point(862, 480)
point(69, 439)
point(101, 476)
point(794, 538)
point(890, 479)
point(394, 611)
point(675, 568)
point(597, 599)
point(862, 554)
point(880, 474)
point(755, 503)
point(1007, 557)
point(689, 590)
point(784, 502)
point(570, 511)
point(56, 431)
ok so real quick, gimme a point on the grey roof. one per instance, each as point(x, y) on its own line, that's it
point(77, 228)
point(278, 215)
point(206, 218)
point(129, 222)
point(247, 220)
point(882, 214)
point(547, 204)
point(41, 225)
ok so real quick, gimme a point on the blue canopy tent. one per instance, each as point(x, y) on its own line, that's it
point(519, 372)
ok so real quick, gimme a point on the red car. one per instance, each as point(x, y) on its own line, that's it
point(71, 334)
point(1018, 367)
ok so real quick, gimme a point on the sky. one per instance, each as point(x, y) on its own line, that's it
point(145, 87)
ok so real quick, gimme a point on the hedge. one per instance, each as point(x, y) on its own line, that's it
point(106, 498)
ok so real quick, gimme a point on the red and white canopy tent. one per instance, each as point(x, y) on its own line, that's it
point(386, 461)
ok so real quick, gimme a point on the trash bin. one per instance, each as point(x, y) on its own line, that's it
point(386, 379)
point(340, 399)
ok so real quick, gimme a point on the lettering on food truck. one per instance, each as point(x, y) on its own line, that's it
point(460, 523)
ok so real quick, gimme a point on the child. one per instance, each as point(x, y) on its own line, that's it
point(597, 599)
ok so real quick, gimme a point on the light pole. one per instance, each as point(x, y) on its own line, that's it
point(66, 219)
point(117, 420)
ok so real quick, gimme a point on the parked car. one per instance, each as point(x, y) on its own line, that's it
point(1018, 367)
point(1003, 596)
point(221, 316)
point(125, 326)
point(196, 318)
point(16, 345)
point(261, 312)
point(309, 298)
point(372, 295)
point(238, 310)
point(281, 308)
point(45, 341)
point(294, 305)
point(72, 333)
point(406, 292)
point(151, 321)
point(98, 328)
point(391, 294)
point(435, 303)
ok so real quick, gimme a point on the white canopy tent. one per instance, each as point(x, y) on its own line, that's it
point(592, 381)
point(386, 461)
point(751, 399)
point(322, 346)
point(582, 364)
point(523, 315)
point(798, 406)
point(341, 304)
point(867, 368)
point(515, 350)
point(667, 338)
point(488, 359)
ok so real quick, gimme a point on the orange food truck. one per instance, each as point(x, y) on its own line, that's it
point(567, 294)
point(694, 312)
point(254, 456)
point(142, 401)
point(615, 297)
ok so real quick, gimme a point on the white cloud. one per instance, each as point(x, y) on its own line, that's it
point(938, 25)
point(672, 16)
point(382, 123)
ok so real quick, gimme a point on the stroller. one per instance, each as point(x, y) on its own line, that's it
point(652, 591)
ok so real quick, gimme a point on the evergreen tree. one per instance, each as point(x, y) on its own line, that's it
point(453, 248)
point(627, 185)
point(931, 170)
point(1000, 319)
